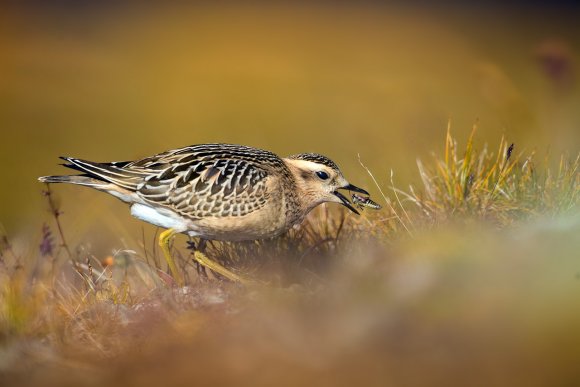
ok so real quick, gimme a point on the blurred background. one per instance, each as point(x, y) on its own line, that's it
point(105, 82)
point(473, 303)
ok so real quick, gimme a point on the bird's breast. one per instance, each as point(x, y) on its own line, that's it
point(266, 222)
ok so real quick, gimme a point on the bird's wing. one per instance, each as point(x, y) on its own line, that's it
point(216, 180)
point(113, 172)
point(195, 181)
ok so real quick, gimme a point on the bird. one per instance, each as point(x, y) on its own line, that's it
point(216, 191)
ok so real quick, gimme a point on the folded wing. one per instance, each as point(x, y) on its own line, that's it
point(217, 180)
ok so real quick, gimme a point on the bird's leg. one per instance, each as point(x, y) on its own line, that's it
point(164, 239)
point(201, 245)
point(192, 247)
point(204, 261)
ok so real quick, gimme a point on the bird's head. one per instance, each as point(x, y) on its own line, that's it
point(318, 179)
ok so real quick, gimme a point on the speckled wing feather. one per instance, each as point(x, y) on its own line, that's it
point(217, 180)
point(206, 180)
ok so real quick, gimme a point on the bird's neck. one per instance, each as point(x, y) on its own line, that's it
point(305, 198)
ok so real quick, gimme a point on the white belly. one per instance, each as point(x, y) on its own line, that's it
point(264, 223)
point(159, 217)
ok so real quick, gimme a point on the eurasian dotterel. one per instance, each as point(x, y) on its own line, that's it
point(216, 192)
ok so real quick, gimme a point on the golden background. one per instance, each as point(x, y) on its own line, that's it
point(110, 82)
point(481, 289)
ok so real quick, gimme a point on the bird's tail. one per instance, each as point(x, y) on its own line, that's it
point(108, 177)
point(89, 181)
point(73, 179)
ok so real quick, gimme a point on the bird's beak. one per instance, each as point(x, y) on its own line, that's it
point(354, 188)
point(344, 201)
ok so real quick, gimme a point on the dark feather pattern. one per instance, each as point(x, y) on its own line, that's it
point(196, 181)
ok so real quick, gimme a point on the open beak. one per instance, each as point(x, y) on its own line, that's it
point(344, 199)
point(354, 188)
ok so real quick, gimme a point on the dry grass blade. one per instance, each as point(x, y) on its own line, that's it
point(335, 282)
point(503, 188)
point(387, 201)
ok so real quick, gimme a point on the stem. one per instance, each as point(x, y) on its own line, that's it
point(56, 214)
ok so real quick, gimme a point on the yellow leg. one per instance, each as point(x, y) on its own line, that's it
point(203, 260)
point(164, 239)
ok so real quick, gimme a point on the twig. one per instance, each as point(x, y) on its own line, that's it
point(144, 247)
point(56, 214)
point(384, 196)
point(397, 197)
point(63, 244)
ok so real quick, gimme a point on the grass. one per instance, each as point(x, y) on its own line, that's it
point(502, 187)
point(470, 278)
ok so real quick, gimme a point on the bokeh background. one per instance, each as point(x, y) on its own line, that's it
point(104, 81)
point(457, 300)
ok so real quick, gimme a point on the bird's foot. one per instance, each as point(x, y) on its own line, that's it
point(204, 261)
point(164, 240)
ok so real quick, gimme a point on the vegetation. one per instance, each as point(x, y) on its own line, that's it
point(470, 279)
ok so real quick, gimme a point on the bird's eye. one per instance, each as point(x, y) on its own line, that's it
point(322, 175)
